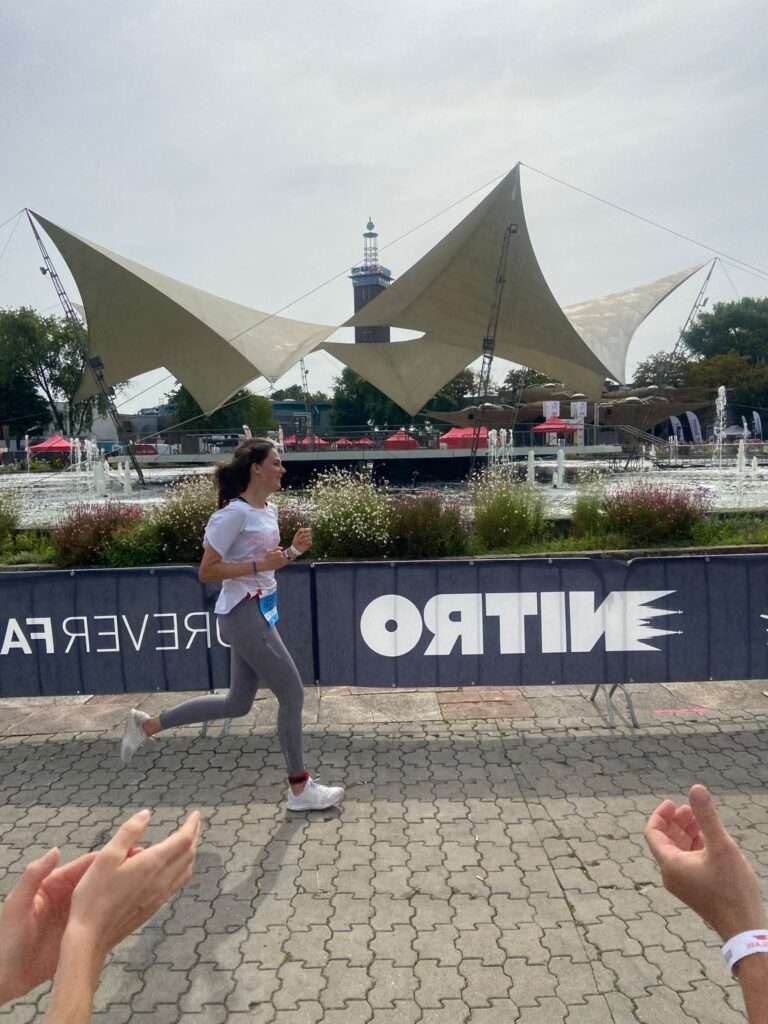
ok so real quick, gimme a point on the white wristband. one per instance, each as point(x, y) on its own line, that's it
point(291, 553)
point(744, 944)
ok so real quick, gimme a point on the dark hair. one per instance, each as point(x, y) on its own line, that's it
point(233, 477)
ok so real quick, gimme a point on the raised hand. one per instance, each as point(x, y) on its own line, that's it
point(119, 892)
point(702, 865)
point(32, 922)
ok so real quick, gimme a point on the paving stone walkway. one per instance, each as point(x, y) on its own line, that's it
point(487, 866)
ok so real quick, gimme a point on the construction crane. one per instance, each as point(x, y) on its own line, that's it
point(489, 341)
point(699, 303)
point(95, 365)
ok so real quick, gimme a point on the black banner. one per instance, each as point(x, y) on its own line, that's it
point(517, 622)
point(127, 630)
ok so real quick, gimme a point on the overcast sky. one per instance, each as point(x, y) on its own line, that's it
point(241, 145)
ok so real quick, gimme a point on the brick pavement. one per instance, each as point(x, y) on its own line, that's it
point(487, 866)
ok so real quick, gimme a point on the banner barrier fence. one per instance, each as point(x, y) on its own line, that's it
point(495, 622)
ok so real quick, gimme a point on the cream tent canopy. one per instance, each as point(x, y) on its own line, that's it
point(608, 324)
point(139, 320)
point(447, 294)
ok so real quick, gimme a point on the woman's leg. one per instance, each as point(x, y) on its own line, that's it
point(243, 681)
point(267, 657)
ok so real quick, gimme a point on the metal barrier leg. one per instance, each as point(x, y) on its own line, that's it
point(611, 708)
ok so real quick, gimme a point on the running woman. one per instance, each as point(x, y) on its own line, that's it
point(242, 552)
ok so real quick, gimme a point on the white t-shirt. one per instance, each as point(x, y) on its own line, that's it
point(241, 533)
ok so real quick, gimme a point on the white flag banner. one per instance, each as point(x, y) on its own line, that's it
point(578, 410)
point(550, 409)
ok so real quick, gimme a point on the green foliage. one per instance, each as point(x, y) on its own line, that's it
point(519, 378)
point(587, 516)
point(664, 369)
point(355, 402)
point(50, 353)
point(295, 393)
point(649, 514)
point(352, 516)
point(740, 327)
point(244, 408)
point(133, 545)
point(83, 535)
point(506, 513)
point(456, 394)
point(9, 515)
point(30, 547)
point(423, 526)
point(179, 522)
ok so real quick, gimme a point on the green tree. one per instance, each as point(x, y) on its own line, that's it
point(21, 407)
point(295, 393)
point(355, 402)
point(458, 392)
point(747, 383)
point(52, 353)
point(665, 369)
point(740, 327)
point(518, 378)
point(243, 409)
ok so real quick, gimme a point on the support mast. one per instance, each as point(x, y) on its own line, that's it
point(489, 341)
point(95, 364)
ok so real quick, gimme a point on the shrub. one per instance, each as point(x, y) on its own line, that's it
point(9, 515)
point(179, 522)
point(82, 536)
point(31, 547)
point(137, 544)
point(352, 516)
point(653, 513)
point(424, 527)
point(507, 514)
point(587, 516)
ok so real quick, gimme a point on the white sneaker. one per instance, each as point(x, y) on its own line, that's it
point(134, 736)
point(315, 797)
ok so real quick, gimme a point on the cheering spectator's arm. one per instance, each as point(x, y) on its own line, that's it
point(702, 865)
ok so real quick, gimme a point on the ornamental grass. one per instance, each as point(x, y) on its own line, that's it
point(507, 514)
point(651, 514)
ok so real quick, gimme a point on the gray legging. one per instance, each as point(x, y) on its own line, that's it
point(257, 653)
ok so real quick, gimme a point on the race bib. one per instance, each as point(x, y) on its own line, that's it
point(268, 608)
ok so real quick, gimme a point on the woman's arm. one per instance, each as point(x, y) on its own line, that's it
point(213, 568)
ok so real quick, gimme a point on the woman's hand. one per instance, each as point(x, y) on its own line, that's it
point(32, 922)
point(272, 560)
point(119, 892)
point(302, 539)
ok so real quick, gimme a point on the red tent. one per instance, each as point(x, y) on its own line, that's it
point(313, 441)
point(55, 444)
point(344, 442)
point(290, 441)
point(461, 437)
point(401, 440)
point(554, 425)
point(364, 442)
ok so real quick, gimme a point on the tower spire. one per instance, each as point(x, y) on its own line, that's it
point(369, 279)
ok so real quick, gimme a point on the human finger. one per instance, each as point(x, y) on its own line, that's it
point(34, 874)
point(686, 819)
point(126, 837)
point(180, 843)
point(707, 816)
point(70, 874)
